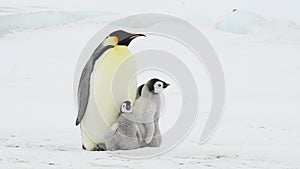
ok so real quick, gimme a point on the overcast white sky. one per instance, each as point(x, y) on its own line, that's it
point(288, 9)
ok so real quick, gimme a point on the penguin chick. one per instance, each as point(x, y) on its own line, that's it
point(124, 134)
point(146, 111)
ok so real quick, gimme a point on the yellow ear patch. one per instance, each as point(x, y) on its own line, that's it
point(111, 40)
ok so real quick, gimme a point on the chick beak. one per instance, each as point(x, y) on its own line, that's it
point(166, 85)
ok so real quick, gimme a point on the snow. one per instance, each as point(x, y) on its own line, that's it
point(244, 22)
point(239, 22)
point(42, 19)
point(259, 129)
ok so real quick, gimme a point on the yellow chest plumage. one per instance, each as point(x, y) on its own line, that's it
point(112, 82)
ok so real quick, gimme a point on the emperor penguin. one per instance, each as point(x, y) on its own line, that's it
point(97, 107)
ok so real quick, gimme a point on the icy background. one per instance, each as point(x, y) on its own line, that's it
point(258, 46)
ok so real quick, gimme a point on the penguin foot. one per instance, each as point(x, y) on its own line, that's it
point(100, 147)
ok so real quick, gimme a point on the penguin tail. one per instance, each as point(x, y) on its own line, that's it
point(77, 122)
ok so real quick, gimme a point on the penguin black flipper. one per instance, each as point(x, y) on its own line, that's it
point(139, 91)
point(84, 83)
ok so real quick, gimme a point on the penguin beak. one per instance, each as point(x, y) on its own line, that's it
point(136, 35)
point(127, 40)
point(166, 85)
point(128, 107)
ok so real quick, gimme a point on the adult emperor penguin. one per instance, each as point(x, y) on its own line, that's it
point(97, 108)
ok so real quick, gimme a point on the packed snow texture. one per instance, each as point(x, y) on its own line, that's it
point(259, 129)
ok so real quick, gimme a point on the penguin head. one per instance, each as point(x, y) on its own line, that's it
point(156, 86)
point(121, 37)
point(126, 107)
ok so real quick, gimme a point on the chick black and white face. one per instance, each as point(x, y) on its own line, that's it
point(156, 85)
point(126, 107)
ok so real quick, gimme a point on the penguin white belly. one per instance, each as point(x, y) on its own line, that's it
point(103, 109)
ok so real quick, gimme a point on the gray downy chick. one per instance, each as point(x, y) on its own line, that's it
point(147, 111)
point(124, 134)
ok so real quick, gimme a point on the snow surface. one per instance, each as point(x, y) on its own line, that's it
point(260, 126)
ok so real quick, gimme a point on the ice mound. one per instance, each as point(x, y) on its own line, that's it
point(43, 19)
point(240, 22)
